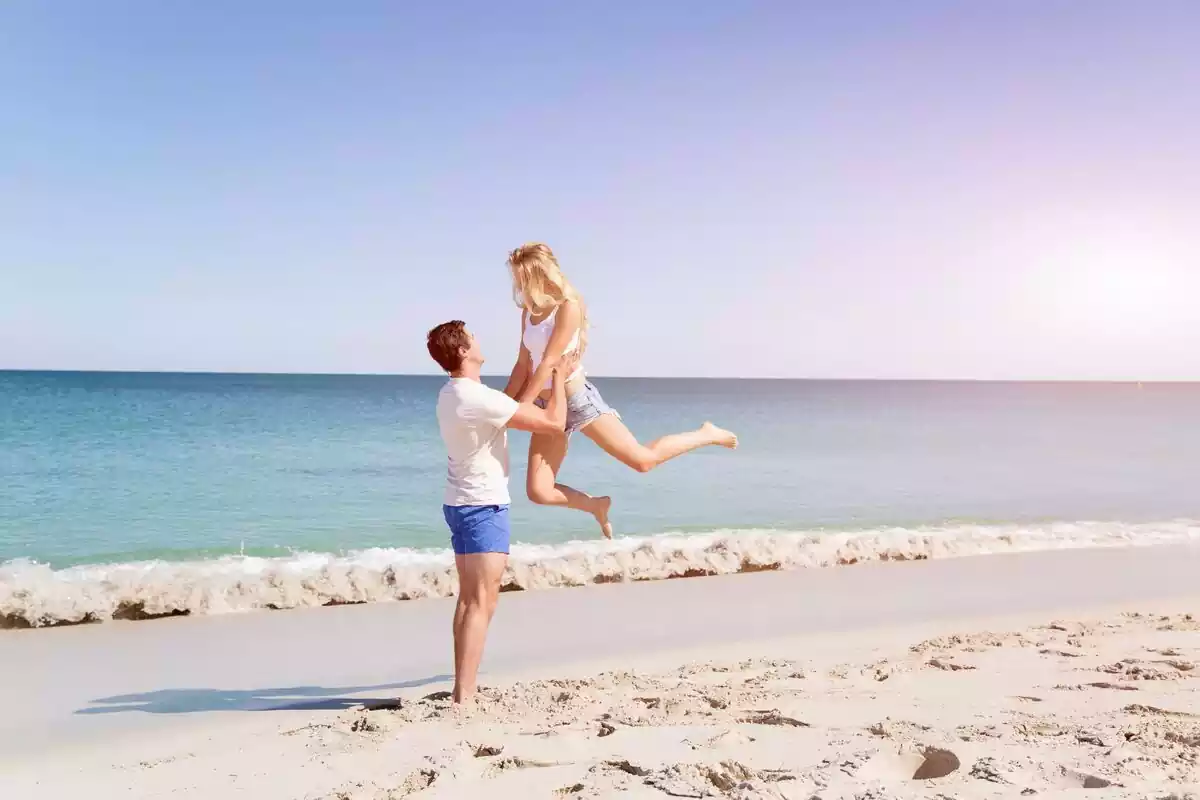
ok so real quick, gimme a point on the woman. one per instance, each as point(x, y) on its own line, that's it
point(554, 322)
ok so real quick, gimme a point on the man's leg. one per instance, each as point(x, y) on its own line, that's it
point(460, 613)
point(479, 576)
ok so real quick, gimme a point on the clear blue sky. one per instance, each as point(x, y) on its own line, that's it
point(987, 189)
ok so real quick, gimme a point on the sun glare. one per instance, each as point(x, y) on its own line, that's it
point(1116, 284)
point(1112, 282)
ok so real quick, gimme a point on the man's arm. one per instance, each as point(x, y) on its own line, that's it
point(552, 418)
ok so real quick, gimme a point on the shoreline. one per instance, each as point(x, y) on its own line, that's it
point(37, 596)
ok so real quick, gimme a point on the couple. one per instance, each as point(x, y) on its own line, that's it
point(547, 395)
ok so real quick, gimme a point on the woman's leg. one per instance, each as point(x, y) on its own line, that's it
point(546, 454)
point(614, 438)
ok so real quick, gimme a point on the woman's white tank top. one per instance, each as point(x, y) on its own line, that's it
point(536, 337)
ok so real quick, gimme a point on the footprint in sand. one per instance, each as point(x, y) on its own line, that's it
point(1060, 653)
point(1073, 779)
point(485, 750)
point(896, 729)
point(772, 718)
point(627, 767)
point(1165, 651)
point(1139, 709)
point(1134, 670)
point(1096, 685)
point(516, 762)
point(703, 780)
point(921, 764)
point(417, 781)
point(1179, 622)
point(722, 739)
point(1072, 629)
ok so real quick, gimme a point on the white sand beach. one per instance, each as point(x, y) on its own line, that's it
point(1039, 674)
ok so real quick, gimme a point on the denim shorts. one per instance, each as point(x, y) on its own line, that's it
point(584, 407)
point(477, 529)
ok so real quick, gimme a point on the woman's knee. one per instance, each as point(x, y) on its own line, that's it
point(641, 460)
point(540, 492)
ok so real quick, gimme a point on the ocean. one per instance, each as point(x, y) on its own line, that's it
point(132, 495)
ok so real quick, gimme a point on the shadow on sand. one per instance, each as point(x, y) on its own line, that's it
point(291, 698)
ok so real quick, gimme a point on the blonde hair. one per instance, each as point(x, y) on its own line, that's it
point(539, 284)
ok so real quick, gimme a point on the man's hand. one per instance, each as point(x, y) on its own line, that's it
point(567, 364)
point(553, 417)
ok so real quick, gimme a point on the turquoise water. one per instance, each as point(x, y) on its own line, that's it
point(99, 467)
point(131, 495)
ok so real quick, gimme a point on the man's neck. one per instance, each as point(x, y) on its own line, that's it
point(469, 371)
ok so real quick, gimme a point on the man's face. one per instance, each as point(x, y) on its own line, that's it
point(473, 354)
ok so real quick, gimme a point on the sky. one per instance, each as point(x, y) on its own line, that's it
point(999, 189)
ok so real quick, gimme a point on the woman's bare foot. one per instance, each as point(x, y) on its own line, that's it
point(603, 504)
point(720, 436)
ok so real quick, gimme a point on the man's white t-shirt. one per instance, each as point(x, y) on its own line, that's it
point(473, 420)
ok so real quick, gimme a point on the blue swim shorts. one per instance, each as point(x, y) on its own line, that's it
point(477, 529)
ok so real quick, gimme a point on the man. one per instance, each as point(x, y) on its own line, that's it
point(474, 420)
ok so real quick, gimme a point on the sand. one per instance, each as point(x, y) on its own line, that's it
point(1056, 674)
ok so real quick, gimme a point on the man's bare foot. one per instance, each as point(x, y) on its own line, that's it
point(603, 504)
point(720, 436)
point(463, 710)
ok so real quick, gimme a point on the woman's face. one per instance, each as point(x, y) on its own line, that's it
point(541, 280)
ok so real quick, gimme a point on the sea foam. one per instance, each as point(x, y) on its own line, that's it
point(34, 595)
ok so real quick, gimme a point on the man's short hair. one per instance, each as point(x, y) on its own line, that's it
point(446, 342)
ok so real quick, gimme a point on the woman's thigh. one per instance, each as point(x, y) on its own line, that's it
point(546, 454)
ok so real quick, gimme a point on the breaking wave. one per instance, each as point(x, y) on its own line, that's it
point(34, 595)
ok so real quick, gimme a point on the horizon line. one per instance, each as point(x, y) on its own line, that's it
point(203, 372)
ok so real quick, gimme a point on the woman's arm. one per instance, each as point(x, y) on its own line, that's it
point(520, 371)
point(566, 325)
